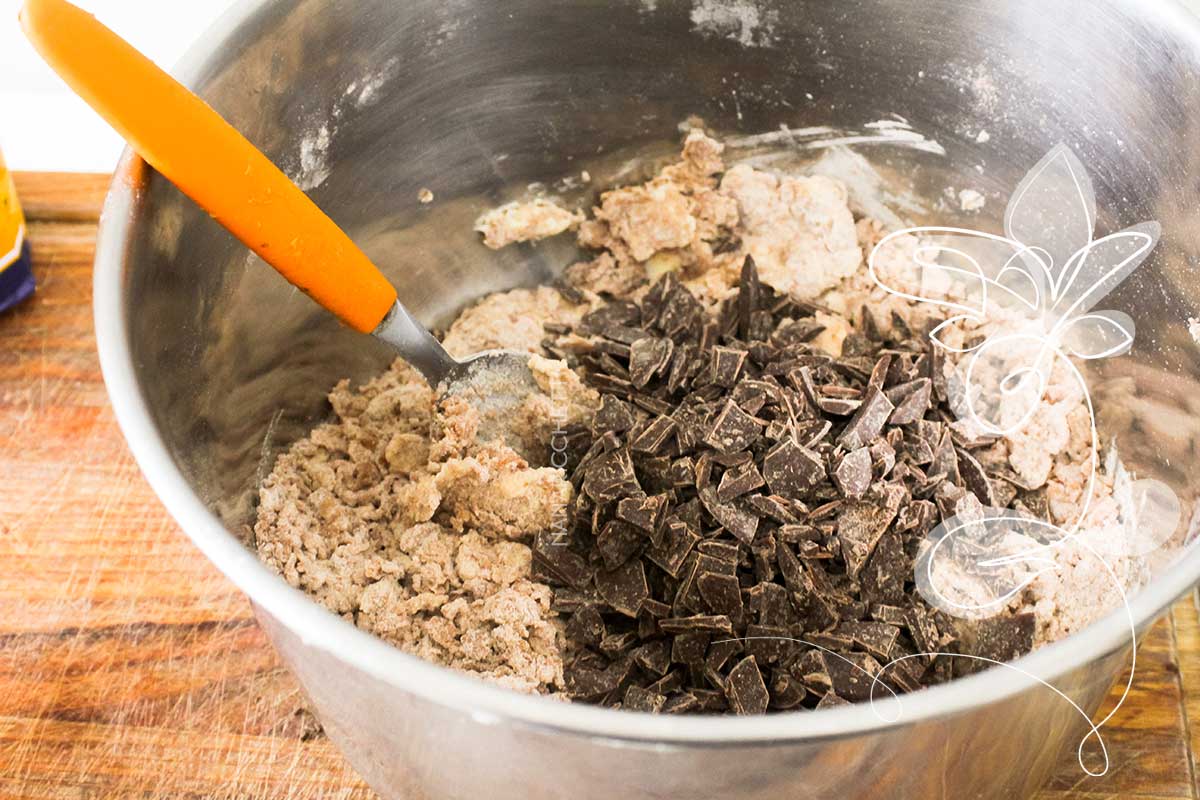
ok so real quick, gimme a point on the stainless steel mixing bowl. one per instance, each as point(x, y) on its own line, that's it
point(214, 363)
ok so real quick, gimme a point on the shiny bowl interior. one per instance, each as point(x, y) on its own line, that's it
point(215, 364)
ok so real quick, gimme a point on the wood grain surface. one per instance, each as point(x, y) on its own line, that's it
point(130, 668)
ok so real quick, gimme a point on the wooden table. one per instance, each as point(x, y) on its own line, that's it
point(129, 667)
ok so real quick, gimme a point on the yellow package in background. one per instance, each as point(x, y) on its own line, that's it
point(16, 279)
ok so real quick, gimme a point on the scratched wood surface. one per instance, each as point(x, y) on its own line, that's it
point(130, 668)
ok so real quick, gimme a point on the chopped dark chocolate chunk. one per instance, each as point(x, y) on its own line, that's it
point(653, 437)
point(999, 638)
point(677, 544)
point(745, 688)
point(748, 507)
point(740, 523)
point(698, 623)
point(648, 357)
point(876, 638)
point(586, 626)
point(643, 512)
point(868, 421)
point(618, 541)
point(974, 478)
point(722, 594)
point(791, 470)
point(639, 699)
point(623, 588)
point(911, 401)
point(853, 472)
point(610, 477)
point(733, 429)
point(738, 481)
point(614, 415)
point(726, 366)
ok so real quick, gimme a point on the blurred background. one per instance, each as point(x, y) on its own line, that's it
point(45, 127)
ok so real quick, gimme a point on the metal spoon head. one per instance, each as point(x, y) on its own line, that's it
point(497, 384)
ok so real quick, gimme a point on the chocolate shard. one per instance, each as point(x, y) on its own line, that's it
point(868, 421)
point(614, 415)
point(618, 541)
point(653, 437)
point(733, 429)
point(680, 311)
point(786, 690)
point(886, 570)
point(877, 638)
point(615, 313)
point(945, 459)
point(854, 472)
point(769, 644)
point(792, 470)
point(643, 512)
point(611, 476)
point(912, 401)
point(795, 332)
point(624, 588)
point(893, 615)
point(738, 481)
point(670, 683)
point(714, 564)
point(588, 684)
point(771, 602)
point(883, 456)
point(697, 623)
point(677, 544)
point(728, 552)
point(853, 676)
point(924, 631)
point(722, 594)
point(749, 296)
point(999, 638)
point(974, 478)
point(648, 357)
point(720, 652)
point(726, 366)
point(745, 688)
point(654, 656)
point(741, 524)
point(639, 699)
point(586, 626)
point(689, 648)
point(564, 564)
point(789, 566)
point(862, 523)
point(775, 508)
point(682, 703)
point(810, 433)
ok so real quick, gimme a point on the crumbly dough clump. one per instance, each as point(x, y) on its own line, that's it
point(398, 517)
point(525, 222)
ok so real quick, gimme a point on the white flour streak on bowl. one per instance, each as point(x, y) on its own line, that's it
point(887, 131)
point(365, 91)
point(314, 152)
point(871, 194)
point(743, 21)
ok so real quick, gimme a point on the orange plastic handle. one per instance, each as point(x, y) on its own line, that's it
point(194, 148)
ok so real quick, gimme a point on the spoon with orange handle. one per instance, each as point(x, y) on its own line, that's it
point(186, 141)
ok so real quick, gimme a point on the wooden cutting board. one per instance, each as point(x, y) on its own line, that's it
point(130, 668)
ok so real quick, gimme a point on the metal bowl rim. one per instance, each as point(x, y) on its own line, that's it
point(487, 704)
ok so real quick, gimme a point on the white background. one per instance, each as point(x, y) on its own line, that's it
point(45, 127)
